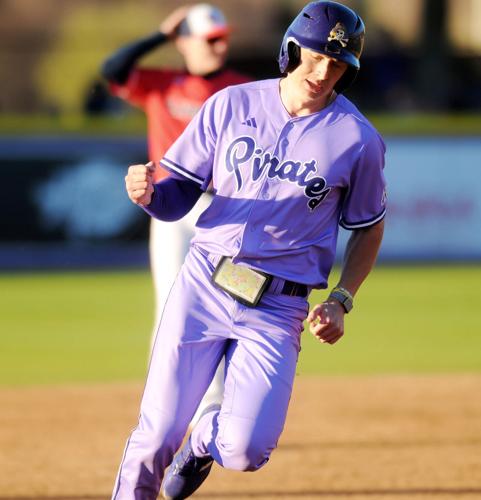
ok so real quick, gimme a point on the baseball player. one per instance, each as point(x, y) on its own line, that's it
point(170, 98)
point(290, 159)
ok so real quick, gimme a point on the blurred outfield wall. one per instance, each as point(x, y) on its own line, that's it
point(66, 207)
point(434, 199)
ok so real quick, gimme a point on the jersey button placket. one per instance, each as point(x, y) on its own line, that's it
point(262, 195)
point(265, 194)
point(247, 236)
point(283, 141)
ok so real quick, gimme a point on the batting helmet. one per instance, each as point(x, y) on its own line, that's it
point(328, 28)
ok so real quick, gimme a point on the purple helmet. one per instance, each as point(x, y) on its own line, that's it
point(328, 28)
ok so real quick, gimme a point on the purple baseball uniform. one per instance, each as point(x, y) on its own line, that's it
point(282, 186)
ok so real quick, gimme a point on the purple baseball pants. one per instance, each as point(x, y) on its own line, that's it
point(199, 325)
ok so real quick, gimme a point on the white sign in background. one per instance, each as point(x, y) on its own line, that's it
point(434, 199)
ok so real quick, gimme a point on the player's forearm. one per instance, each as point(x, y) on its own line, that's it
point(360, 256)
point(119, 65)
point(173, 198)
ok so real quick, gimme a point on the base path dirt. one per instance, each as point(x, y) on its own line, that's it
point(360, 438)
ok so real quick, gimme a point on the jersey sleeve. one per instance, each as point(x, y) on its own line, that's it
point(139, 84)
point(365, 201)
point(192, 154)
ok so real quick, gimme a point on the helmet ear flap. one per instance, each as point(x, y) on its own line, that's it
point(346, 80)
point(294, 56)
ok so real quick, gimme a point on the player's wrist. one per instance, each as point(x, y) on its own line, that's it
point(343, 297)
point(335, 303)
point(166, 34)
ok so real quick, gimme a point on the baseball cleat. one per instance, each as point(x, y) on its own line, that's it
point(186, 473)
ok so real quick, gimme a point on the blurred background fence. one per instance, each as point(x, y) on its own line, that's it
point(65, 142)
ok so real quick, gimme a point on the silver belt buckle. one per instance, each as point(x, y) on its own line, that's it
point(242, 283)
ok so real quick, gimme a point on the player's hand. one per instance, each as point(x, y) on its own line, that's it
point(326, 321)
point(139, 183)
point(171, 23)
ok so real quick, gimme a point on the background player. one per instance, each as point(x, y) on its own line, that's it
point(170, 98)
point(290, 159)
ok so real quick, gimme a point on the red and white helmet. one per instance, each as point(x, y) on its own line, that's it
point(205, 21)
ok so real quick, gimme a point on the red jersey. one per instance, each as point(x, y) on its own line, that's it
point(170, 99)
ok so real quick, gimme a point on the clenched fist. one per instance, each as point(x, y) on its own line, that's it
point(139, 183)
point(326, 321)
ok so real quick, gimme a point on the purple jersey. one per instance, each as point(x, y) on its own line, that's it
point(282, 184)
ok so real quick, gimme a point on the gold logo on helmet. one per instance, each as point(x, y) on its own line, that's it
point(338, 34)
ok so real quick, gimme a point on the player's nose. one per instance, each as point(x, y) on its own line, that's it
point(324, 68)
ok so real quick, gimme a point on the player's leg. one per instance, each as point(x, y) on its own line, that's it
point(260, 369)
point(214, 393)
point(169, 244)
point(189, 344)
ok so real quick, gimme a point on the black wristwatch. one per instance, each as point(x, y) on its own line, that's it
point(343, 297)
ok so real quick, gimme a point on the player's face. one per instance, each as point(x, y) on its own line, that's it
point(316, 75)
point(203, 55)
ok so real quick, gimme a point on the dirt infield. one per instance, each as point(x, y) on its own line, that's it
point(397, 437)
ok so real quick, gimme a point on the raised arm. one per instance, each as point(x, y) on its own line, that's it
point(118, 66)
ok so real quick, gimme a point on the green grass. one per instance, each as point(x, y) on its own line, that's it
point(74, 327)
point(92, 326)
point(407, 319)
point(134, 123)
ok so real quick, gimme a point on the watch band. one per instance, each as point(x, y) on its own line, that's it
point(343, 296)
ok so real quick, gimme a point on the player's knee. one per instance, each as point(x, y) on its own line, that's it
point(244, 460)
point(243, 454)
